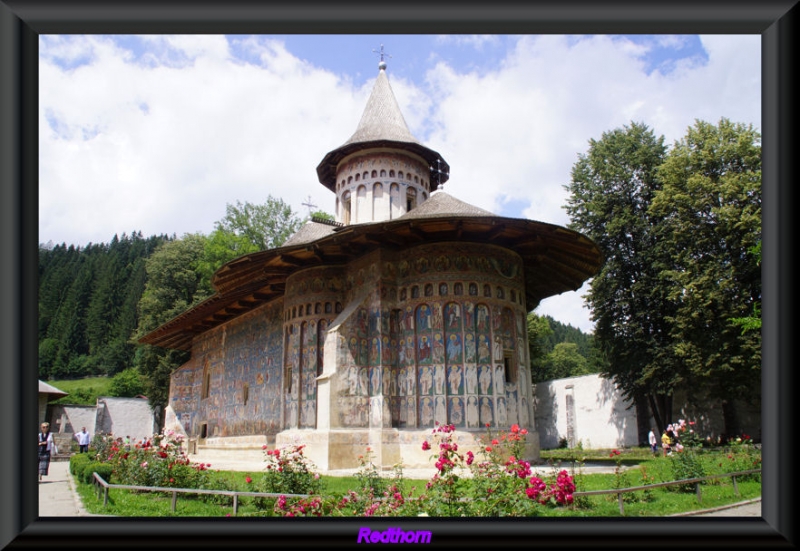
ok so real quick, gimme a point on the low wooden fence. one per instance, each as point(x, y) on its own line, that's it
point(696, 481)
point(103, 487)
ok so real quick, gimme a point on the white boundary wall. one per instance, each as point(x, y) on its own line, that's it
point(600, 416)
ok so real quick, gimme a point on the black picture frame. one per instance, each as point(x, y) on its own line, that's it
point(22, 21)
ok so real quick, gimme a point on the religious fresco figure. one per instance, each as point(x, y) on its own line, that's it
point(453, 348)
point(440, 410)
point(408, 319)
point(471, 378)
point(454, 379)
point(502, 417)
point(423, 317)
point(438, 379)
point(457, 411)
point(437, 319)
point(426, 412)
point(363, 352)
point(499, 379)
point(486, 411)
point(438, 348)
point(484, 351)
point(511, 408)
point(363, 384)
point(483, 318)
point(453, 315)
point(410, 355)
point(485, 379)
point(410, 380)
point(469, 348)
point(375, 381)
point(411, 407)
point(472, 412)
point(425, 380)
point(424, 354)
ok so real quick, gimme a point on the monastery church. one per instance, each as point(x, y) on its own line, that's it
point(409, 310)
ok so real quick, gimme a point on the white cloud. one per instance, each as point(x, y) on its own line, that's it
point(160, 138)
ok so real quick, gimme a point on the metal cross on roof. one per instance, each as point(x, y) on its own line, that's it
point(382, 64)
point(438, 172)
point(309, 204)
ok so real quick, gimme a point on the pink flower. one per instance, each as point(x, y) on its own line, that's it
point(426, 446)
point(515, 428)
point(470, 458)
point(248, 480)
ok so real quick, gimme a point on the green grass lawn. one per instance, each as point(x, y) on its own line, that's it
point(656, 502)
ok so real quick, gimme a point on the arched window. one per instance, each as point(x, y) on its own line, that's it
point(411, 199)
point(346, 208)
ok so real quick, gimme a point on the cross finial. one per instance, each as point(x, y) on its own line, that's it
point(309, 204)
point(382, 64)
point(438, 172)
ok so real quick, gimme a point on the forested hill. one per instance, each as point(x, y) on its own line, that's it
point(566, 333)
point(88, 298)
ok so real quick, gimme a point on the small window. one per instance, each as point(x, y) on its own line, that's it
point(204, 430)
point(245, 393)
point(509, 367)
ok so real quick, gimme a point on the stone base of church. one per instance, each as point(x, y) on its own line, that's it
point(340, 448)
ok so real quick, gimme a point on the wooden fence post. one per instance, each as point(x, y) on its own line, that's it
point(699, 496)
point(621, 506)
point(235, 504)
point(174, 501)
point(735, 487)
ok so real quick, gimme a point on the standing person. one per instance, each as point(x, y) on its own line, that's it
point(665, 442)
point(653, 442)
point(83, 440)
point(46, 446)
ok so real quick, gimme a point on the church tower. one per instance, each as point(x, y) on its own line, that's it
point(382, 172)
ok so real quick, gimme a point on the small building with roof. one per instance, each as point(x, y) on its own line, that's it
point(410, 310)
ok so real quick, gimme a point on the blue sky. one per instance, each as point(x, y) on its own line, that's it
point(158, 133)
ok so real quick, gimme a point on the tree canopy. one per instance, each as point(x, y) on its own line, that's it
point(675, 228)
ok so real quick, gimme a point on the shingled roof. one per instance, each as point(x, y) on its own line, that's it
point(555, 259)
point(382, 125)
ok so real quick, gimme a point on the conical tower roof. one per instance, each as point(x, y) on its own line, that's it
point(382, 125)
point(382, 119)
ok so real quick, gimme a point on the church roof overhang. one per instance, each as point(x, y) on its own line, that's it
point(555, 260)
point(326, 170)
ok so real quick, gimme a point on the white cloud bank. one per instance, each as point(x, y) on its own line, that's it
point(159, 141)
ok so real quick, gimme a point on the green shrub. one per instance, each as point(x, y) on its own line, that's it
point(687, 465)
point(103, 469)
point(77, 462)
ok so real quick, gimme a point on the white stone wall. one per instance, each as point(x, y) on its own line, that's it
point(600, 415)
point(125, 417)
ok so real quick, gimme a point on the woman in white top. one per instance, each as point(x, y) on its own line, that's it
point(45, 448)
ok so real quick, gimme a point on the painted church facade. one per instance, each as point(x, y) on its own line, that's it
point(408, 311)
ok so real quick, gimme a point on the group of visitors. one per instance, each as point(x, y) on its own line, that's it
point(669, 439)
